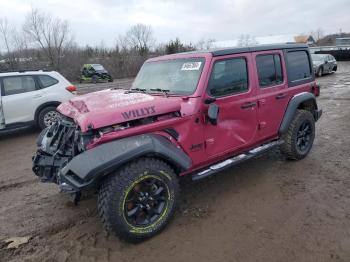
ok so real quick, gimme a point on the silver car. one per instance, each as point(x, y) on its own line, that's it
point(324, 64)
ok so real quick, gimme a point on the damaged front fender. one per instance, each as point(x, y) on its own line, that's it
point(92, 164)
point(88, 167)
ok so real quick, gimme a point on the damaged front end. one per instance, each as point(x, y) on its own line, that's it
point(58, 145)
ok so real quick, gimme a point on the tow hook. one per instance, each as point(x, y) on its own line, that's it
point(75, 194)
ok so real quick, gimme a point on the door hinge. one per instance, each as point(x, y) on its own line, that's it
point(261, 102)
point(262, 124)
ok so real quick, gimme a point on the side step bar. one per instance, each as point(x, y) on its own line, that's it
point(235, 160)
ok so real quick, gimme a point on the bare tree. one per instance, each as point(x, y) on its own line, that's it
point(140, 37)
point(205, 44)
point(52, 35)
point(246, 40)
point(317, 34)
point(7, 34)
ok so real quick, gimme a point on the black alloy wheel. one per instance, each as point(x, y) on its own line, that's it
point(146, 202)
point(304, 136)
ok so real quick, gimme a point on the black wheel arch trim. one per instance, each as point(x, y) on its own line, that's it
point(92, 164)
point(293, 105)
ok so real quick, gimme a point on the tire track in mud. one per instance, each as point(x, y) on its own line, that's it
point(16, 185)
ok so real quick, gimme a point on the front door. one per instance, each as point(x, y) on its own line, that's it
point(236, 98)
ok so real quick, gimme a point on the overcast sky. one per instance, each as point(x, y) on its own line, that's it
point(94, 21)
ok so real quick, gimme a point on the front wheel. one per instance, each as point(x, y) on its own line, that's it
point(300, 136)
point(320, 71)
point(137, 201)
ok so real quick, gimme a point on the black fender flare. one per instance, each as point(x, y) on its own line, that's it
point(293, 105)
point(103, 159)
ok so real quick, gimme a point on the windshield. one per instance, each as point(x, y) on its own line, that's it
point(318, 57)
point(98, 67)
point(179, 76)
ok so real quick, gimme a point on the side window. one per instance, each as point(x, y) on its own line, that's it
point(18, 84)
point(298, 65)
point(228, 77)
point(269, 70)
point(47, 81)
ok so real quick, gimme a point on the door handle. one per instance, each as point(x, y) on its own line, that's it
point(281, 96)
point(248, 105)
point(37, 96)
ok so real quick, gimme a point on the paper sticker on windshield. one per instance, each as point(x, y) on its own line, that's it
point(191, 66)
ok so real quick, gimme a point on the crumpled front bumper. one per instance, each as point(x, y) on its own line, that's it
point(49, 167)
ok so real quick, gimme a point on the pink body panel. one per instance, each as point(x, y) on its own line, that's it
point(109, 107)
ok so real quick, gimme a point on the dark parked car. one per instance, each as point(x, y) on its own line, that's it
point(94, 73)
point(324, 64)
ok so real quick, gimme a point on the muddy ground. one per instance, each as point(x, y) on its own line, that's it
point(267, 209)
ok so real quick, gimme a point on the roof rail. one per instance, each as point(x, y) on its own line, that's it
point(26, 70)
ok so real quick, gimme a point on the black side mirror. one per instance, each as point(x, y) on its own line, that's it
point(213, 113)
point(326, 62)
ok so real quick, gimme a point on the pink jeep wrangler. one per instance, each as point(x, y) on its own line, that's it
point(191, 114)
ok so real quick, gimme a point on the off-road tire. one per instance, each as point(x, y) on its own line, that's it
point(115, 189)
point(41, 116)
point(289, 148)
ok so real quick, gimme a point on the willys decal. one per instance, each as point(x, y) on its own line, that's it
point(145, 111)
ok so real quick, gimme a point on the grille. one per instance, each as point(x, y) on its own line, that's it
point(61, 139)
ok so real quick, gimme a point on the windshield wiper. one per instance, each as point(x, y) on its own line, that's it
point(143, 90)
point(164, 91)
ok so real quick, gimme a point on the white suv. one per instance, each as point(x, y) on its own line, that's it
point(31, 97)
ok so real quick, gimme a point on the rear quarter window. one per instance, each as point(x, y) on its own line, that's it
point(298, 66)
point(47, 81)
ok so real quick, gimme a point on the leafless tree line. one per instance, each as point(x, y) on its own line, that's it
point(47, 42)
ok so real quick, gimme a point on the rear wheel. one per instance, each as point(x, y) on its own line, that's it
point(48, 116)
point(94, 79)
point(139, 199)
point(299, 138)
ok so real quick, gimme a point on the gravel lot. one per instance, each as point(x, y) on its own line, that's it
point(266, 209)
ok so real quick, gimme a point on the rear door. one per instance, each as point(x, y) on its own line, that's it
point(272, 91)
point(328, 64)
point(236, 98)
point(331, 61)
point(19, 94)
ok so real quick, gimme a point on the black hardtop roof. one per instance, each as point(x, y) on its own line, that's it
point(237, 50)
